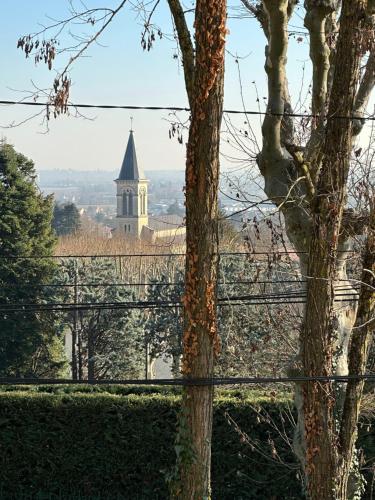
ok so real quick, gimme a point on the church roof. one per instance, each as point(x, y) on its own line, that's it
point(130, 171)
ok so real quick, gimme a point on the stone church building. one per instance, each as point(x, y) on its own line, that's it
point(133, 219)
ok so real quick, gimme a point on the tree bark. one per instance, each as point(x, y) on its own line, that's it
point(186, 45)
point(200, 340)
point(358, 356)
point(308, 183)
point(320, 322)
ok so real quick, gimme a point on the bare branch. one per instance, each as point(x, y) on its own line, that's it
point(363, 95)
point(258, 12)
point(354, 223)
point(275, 68)
point(186, 45)
point(93, 38)
point(59, 96)
point(149, 29)
point(87, 15)
point(317, 13)
point(303, 166)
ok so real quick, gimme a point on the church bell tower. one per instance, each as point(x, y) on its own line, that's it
point(132, 213)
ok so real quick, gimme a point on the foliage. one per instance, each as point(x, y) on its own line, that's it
point(29, 342)
point(119, 447)
point(165, 325)
point(112, 339)
point(66, 219)
point(253, 396)
point(116, 442)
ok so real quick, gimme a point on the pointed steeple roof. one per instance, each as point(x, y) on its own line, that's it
point(130, 171)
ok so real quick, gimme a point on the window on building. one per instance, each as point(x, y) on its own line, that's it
point(143, 203)
point(125, 204)
point(130, 212)
point(125, 228)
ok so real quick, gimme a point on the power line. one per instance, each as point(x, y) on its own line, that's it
point(158, 284)
point(299, 293)
point(178, 108)
point(222, 302)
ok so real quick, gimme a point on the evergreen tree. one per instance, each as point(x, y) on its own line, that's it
point(165, 325)
point(110, 342)
point(28, 342)
point(66, 219)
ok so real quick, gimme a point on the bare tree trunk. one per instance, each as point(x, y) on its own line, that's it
point(358, 356)
point(318, 337)
point(309, 185)
point(75, 326)
point(200, 341)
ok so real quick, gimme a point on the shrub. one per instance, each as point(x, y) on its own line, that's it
point(116, 442)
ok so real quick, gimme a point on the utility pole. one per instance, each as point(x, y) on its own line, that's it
point(75, 324)
point(79, 334)
point(141, 294)
point(146, 360)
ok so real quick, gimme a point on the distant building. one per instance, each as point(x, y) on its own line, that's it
point(132, 218)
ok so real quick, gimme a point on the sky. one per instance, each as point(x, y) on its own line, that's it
point(118, 71)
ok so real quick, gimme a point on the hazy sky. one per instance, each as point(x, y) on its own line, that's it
point(118, 71)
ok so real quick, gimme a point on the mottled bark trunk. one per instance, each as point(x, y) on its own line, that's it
point(344, 312)
point(319, 336)
point(200, 341)
point(313, 180)
point(358, 356)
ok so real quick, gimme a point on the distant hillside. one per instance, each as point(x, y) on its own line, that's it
point(103, 178)
point(97, 187)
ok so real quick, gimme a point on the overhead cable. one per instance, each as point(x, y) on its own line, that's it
point(179, 108)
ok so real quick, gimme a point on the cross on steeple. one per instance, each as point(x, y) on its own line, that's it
point(131, 124)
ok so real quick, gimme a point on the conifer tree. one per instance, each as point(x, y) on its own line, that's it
point(29, 345)
point(66, 219)
point(109, 342)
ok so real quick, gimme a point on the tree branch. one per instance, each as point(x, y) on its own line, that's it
point(354, 223)
point(317, 13)
point(258, 12)
point(275, 69)
point(287, 125)
point(363, 95)
point(186, 45)
point(59, 95)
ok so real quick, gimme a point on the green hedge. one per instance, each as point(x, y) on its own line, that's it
point(117, 443)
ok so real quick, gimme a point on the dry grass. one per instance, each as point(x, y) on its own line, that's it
point(368, 405)
point(97, 244)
